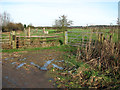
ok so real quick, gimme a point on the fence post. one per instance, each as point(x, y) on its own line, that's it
point(102, 38)
point(65, 37)
point(29, 32)
point(99, 37)
point(10, 38)
point(13, 40)
point(17, 42)
point(111, 39)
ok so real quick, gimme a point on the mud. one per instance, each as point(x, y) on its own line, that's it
point(29, 69)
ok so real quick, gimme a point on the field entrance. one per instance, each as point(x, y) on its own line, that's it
point(30, 38)
point(77, 38)
point(85, 36)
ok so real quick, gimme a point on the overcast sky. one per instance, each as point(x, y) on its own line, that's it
point(44, 12)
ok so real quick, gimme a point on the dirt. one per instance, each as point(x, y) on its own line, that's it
point(27, 75)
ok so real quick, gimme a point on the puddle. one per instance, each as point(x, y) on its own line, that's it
point(32, 63)
point(20, 65)
point(22, 59)
point(54, 65)
point(8, 58)
point(43, 68)
point(46, 64)
point(13, 62)
point(59, 61)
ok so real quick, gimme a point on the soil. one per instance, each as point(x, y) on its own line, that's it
point(29, 76)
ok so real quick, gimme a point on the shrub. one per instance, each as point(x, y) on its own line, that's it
point(12, 26)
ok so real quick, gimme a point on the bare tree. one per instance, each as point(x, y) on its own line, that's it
point(4, 18)
point(62, 23)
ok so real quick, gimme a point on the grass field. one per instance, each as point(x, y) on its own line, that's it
point(52, 32)
point(82, 32)
point(82, 69)
point(77, 35)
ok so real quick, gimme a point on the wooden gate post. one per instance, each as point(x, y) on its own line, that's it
point(65, 37)
point(10, 39)
point(17, 42)
point(99, 37)
point(13, 40)
point(29, 32)
point(102, 38)
point(25, 32)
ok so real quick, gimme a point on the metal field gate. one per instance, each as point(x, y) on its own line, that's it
point(78, 38)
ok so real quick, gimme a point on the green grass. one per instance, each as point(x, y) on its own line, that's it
point(60, 48)
point(28, 49)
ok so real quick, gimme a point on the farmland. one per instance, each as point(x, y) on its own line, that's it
point(90, 66)
point(79, 33)
point(60, 44)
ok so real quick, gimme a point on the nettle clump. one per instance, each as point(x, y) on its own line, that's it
point(104, 55)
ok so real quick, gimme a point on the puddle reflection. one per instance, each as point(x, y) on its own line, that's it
point(54, 65)
point(46, 64)
point(32, 63)
point(59, 61)
point(20, 65)
point(8, 58)
point(22, 59)
point(44, 67)
point(13, 62)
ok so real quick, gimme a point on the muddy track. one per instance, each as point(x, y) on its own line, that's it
point(29, 69)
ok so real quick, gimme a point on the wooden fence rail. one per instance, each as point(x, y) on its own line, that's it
point(74, 38)
point(27, 41)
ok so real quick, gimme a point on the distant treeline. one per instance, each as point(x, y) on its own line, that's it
point(95, 26)
point(71, 27)
point(19, 26)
